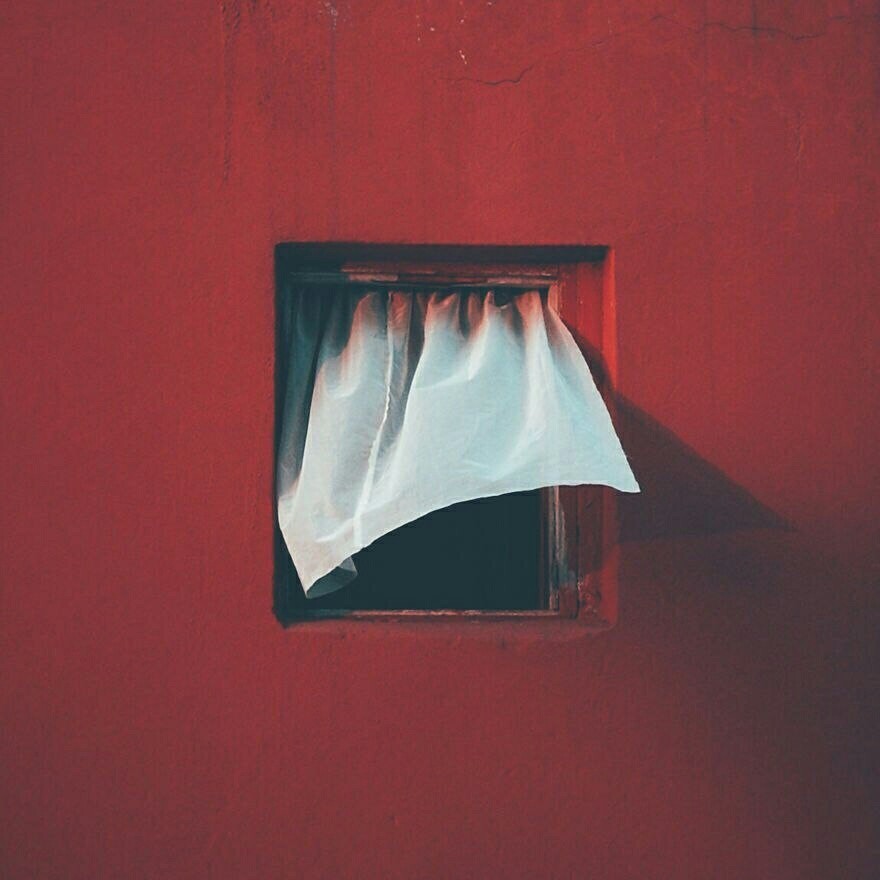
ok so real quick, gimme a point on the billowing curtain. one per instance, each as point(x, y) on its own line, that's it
point(401, 402)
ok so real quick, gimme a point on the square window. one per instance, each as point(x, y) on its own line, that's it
point(543, 552)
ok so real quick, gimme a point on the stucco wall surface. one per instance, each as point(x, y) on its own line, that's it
point(157, 721)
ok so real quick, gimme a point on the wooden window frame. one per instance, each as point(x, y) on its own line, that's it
point(579, 523)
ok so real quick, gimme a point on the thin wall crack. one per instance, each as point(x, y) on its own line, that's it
point(705, 26)
point(762, 29)
point(506, 81)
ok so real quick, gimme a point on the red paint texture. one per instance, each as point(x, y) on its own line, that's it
point(157, 721)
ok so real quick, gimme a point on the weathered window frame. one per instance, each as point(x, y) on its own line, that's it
point(579, 522)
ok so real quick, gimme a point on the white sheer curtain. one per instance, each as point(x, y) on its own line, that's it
point(400, 402)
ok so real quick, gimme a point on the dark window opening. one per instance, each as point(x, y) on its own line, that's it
point(479, 555)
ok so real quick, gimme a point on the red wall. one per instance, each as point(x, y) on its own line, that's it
point(157, 721)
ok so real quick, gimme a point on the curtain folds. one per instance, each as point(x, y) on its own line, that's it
point(398, 403)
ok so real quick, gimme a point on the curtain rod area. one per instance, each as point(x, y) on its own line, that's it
point(326, 278)
point(429, 275)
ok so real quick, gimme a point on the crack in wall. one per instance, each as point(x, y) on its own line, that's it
point(753, 28)
point(510, 80)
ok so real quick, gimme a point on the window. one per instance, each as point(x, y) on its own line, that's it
point(543, 552)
